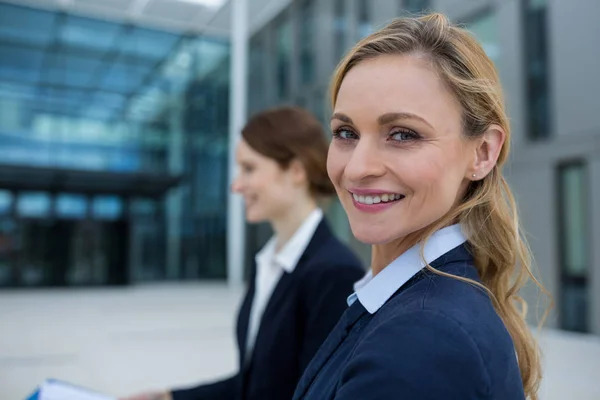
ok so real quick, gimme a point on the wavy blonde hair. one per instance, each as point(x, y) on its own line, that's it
point(488, 211)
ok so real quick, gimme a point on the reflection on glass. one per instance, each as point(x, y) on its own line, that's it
point(86, 33)
point(574, 246)
point(107, 207)
point(71, 206)
point(364, 19)
point(256, 81)
point(485, 30)
point(6, 199)
point(26, 25)
point(416, 6)
point(340, 29)
point(307, 45)
point(33, 204)
point(284, 49)
point(537, 71)
point(8, 248)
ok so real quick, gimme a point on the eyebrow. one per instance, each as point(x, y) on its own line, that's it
point(385, 118)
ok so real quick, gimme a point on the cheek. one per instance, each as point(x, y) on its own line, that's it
point(335, 164)
point(441, 177)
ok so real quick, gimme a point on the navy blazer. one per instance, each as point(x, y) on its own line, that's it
point(435, 338)
point(304, 307)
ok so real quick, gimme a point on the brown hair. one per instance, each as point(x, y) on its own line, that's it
point(488, 212)
point(292, 133)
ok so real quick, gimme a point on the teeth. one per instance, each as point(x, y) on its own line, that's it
point(384, 198)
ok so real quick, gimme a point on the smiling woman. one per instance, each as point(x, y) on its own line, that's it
point(419, 138)
point(301, 278)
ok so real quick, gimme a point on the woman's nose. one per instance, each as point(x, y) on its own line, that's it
point(365, 162)
point(236, 186)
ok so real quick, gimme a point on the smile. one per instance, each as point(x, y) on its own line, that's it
point(377, 199)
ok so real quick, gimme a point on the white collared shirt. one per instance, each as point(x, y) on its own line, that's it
point(270, 266)
point(373, 292)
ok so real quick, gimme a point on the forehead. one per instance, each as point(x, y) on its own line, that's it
point(397, 84)
point(246, 153)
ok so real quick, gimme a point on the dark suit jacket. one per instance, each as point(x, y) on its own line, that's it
point(436, 338)
point(304, 307)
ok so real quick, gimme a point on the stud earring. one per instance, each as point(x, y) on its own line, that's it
point(474, 175)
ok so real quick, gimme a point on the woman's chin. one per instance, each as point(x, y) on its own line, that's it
point(371, 236)
point(254, 219)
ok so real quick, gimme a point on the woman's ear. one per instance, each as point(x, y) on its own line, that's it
point(487, 150)
point(297, 172)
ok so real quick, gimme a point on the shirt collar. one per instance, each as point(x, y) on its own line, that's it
point(290, 254)
point(373, 292)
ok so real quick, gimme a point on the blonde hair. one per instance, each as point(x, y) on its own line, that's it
point(488, 212)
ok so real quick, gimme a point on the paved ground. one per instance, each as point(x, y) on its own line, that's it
point(119, 341)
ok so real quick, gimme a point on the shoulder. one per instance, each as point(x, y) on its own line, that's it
point(331, 259)
point(444, 327)
point(420, 353)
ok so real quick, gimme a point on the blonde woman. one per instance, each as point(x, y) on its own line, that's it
point(419, 138)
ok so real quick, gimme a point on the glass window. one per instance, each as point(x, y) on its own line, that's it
point(20, 64)
point(340, 29)
point(71, 206)
point(6, 199)
point(33, 204)
point(416, 6)
point(573, 246)
point(284, 49)
point(148, 43)
point(256, 94)
point(107, 207)
point(26, 25)
point(536, 61)
point(86, 33)
point(364, 19)
point(485, 30)
point(307, 45)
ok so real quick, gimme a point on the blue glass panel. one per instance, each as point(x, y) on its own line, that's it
point(88, 33)
point(19, 64)
point(33, 204)
point(107, 207)
point(71, 205)
point(124, 78)
point(17, 90)
point(113, 101)
point(148, 43)
point(100, 113)
point(63, 95)
point(70, 69)
point(6, 199)
point(26, 25)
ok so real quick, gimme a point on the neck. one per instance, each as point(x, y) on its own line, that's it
point(383, 254)
point(286, 225)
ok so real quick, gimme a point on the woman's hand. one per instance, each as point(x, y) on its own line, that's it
point(150, 396)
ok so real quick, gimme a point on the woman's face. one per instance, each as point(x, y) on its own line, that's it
point(267, 189)
point(398, 159)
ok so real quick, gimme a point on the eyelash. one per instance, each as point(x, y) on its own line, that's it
point(414, 135)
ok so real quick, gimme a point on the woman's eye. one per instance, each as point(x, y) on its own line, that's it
point(344, 134)
point(403, 136)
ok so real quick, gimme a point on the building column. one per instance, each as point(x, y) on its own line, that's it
point(594, 264)
point(237, 117)
point(174, 199)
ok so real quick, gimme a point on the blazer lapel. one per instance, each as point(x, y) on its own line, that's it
point(331, 344)
point(287, 280)
point(244, 318)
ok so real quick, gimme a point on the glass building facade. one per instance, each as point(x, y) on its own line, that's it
point(113, 151)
